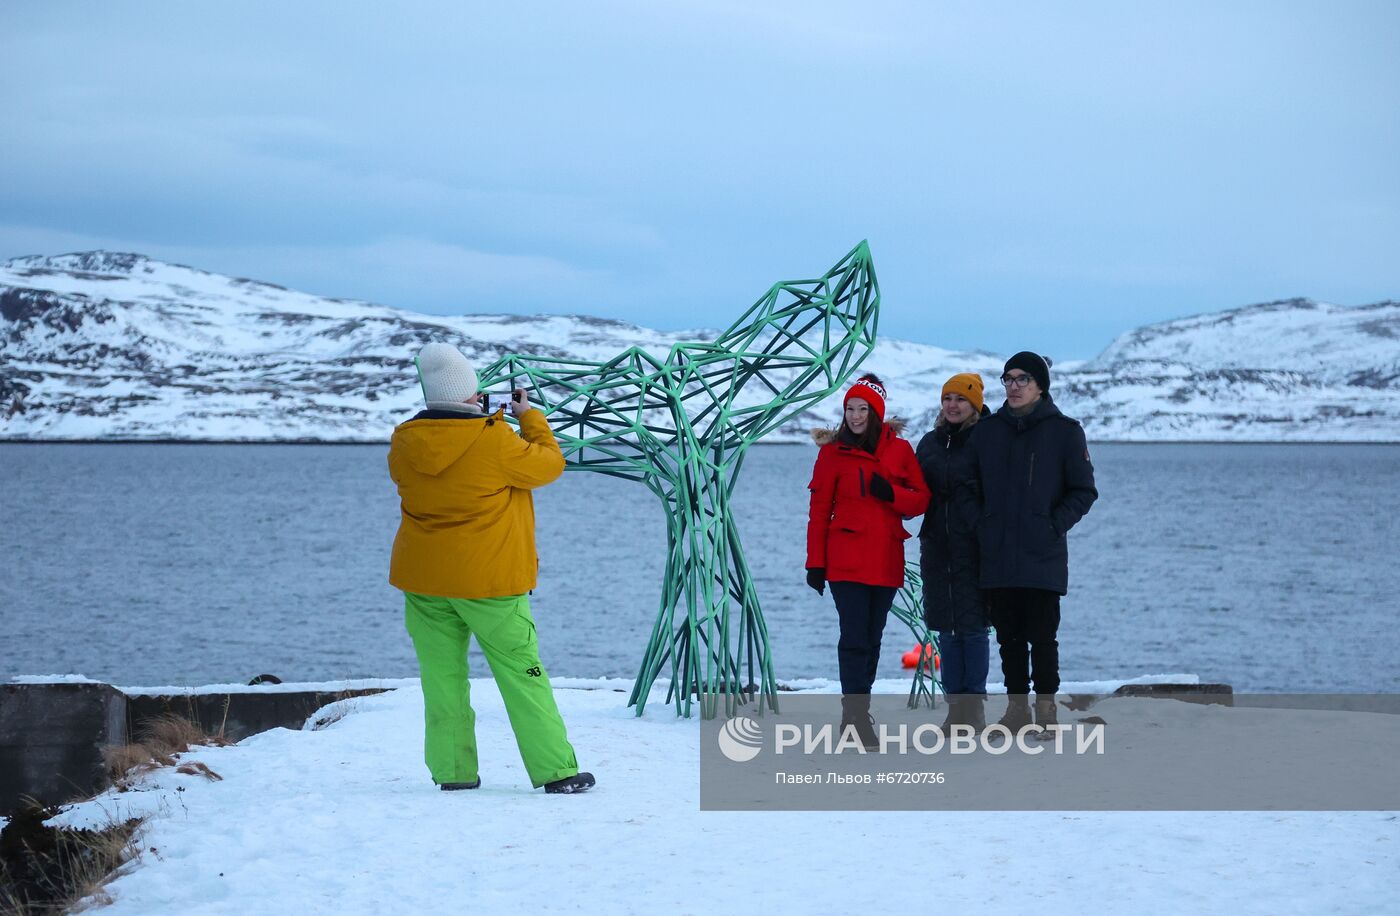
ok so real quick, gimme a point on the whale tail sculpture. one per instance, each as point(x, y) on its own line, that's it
point(680, 425)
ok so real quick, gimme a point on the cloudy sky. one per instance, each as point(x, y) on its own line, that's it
point(1028, 174)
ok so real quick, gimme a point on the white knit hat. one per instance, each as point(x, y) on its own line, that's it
point(447, 378)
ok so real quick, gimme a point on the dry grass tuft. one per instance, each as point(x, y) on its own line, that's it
point(162, 739)
point(172, 734)
point(46, 869)
point(126, 763)
point(121, 758)
point(196, 768)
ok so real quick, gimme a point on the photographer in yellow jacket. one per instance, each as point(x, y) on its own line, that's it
point(465, 559)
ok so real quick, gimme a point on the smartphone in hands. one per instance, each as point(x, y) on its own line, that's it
point(509, 396)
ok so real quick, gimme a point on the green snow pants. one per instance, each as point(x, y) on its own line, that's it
point(441, 629)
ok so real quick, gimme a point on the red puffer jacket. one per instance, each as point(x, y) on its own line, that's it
point(851, 534)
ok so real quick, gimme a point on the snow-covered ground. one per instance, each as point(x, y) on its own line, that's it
point(344, 819)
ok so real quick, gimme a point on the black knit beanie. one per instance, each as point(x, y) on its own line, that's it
point(1034, 365)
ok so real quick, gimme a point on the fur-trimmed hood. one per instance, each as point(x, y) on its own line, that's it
point(824, 434)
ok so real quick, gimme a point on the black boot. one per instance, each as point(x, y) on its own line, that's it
point(855, 713)
point(455, 786)
point(570, 785)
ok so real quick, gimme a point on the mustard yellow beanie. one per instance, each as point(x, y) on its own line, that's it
point(967, 384)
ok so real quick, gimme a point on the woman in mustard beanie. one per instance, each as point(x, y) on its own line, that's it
point(948, 553)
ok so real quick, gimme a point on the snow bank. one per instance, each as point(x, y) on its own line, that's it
point(613, 684)
point(53, 679)
point(370, 683)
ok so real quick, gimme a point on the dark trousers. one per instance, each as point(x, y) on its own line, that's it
point(1027, 620)
point(863, 610)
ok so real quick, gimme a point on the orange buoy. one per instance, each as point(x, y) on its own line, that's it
point(921, 655)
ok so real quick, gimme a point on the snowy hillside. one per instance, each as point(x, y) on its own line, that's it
point(118, 346)
point(1288, 371)
point(101, 345)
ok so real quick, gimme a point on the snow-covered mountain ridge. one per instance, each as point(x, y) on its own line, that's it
point(102, 345)
point(1289, 371)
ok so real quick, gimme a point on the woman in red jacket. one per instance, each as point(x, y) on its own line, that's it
point(865, 484)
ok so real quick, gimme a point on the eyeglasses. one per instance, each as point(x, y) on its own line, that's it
point(1016, 381)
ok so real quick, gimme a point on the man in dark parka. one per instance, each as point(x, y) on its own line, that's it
point(1036, 483)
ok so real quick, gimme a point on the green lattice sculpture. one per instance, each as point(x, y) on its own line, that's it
point(908, 610)
point(680, 424)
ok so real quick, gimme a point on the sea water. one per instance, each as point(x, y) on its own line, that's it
point(1269, 567)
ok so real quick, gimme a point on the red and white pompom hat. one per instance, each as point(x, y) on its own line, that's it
point(871, 390)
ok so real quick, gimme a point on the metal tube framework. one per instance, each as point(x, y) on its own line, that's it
point(681, 426)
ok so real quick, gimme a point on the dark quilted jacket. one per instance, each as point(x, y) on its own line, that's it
point(948, 537)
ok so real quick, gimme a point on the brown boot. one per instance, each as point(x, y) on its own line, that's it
point(955, 714)
point(1018, 713)
point(975, 712)
point(1046, 716)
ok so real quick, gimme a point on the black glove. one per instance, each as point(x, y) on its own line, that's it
point(816, 579)
point(880, 488)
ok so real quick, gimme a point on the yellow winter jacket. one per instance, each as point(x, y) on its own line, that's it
point(468, 526)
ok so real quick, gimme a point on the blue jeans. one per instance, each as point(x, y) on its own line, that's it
point(964, 661)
